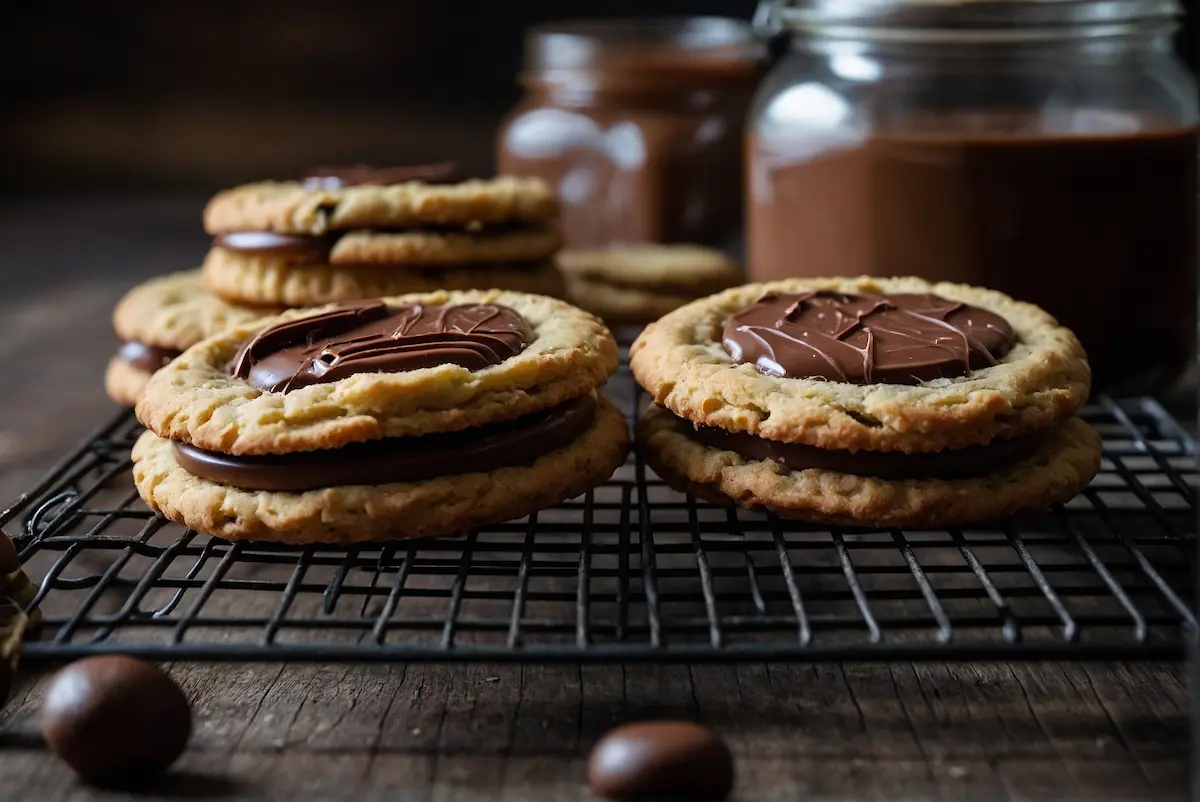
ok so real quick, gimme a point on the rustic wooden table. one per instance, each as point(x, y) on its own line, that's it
point(347, 731)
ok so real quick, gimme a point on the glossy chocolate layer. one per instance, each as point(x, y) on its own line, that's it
point(268, 243)
point(145, 357)
point(398, 459)
point(354, 175)
point(956, 464)
point(371, 337)
point(866, 338)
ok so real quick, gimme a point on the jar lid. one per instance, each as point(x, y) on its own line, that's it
point(646, 47)
point(964, 16)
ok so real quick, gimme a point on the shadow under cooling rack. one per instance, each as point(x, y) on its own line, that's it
point(631, 571)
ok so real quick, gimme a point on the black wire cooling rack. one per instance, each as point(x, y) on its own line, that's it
point(632, 571)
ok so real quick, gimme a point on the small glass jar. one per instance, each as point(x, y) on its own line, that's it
point(1045, 148)
point(638, 125)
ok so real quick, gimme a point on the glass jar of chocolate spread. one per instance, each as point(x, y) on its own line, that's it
point(1045, 148)
point(638, 124)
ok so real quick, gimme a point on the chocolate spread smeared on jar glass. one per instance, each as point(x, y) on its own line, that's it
point(959, 142)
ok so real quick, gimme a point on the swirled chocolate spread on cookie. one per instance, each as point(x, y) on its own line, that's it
point(372, 337)
point(866, 338)
point(354, 175)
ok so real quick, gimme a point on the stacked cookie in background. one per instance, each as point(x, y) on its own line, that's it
point(358, 232)
point(634, 285)
point(414, 416)
point(158, 320)
point(341, 234)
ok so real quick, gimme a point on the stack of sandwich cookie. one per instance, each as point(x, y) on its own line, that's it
point(158, 320)
point(357, 232)
point(636, 284)
point(875, 402)
point(412, 416)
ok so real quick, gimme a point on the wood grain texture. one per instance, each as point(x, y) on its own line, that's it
point(933, 731)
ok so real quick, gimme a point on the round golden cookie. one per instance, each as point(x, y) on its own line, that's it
point(447, 505)
point(174, 312)
point(641, 283)
point(679, 268)
point(1041, 382)
point(124, 383)
point(265, 280)
point(194, 398)
point(622, 305)
point(424, 248)
point(170, 312)
point(288, 207)
point(1066, 460)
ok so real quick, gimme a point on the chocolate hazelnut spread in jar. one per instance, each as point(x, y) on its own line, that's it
point(1045, 148)
point(638, 124)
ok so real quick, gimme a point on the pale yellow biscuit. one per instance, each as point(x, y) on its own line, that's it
point(1042, 381)
point(447, 505)
point(288, 207)
point(1065, 461)
point(174, 312)
point(441, 247)
point(678, 269)
point(621, 304)
point(263, 280)
point(123, 382)
point(194, 398)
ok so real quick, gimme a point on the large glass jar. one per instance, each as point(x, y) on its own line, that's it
point(638, 124)
point(1046, 148)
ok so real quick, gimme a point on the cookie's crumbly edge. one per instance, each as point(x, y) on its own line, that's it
point(123, 382)
point(681, 363)
point(444, 248)
point(262, 280)
point(288, 207)
point(448, 505)
point(1067, 460)
point(174, 312)
point(681, 269)
point(621, 304)
point(194, 398)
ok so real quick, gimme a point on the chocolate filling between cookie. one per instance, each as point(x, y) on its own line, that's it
point(865, 338)
point(371, 337)
point(950, 464)
point(317, 247)
point(148, 358)
point(400, 459)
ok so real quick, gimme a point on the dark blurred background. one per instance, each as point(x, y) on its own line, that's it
point(198, 95)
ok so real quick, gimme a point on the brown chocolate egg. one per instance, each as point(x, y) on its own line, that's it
point(656, 759)
point(114, 718)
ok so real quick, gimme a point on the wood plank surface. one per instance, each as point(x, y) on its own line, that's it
point(936, 731)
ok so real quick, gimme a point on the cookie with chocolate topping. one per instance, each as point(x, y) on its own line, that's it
point(159, 319)
point(356, 232)
point(403, 417)
point(884, 402)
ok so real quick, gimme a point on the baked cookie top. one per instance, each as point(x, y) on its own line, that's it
point(173, 312)
point(675, 268)
point(401, 366)
point(363, 197)
point(779, 370)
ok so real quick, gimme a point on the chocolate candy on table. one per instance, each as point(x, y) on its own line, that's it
point(115, 718)
point(661, 759)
